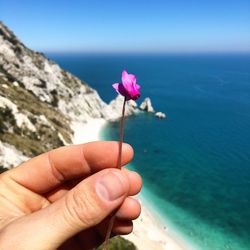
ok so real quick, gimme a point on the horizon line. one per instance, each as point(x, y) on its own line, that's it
point(56, 51)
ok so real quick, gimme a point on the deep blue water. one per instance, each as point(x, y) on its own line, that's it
point(196, 163)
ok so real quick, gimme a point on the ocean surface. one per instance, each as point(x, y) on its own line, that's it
point(195, 164)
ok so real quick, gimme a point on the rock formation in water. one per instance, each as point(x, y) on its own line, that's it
point(160, 115)
point(146, 105)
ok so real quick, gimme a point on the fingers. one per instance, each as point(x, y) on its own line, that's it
point(135, 184)
point(47, 171)
point(129, 210)
point(135, 181)
point(83, 207)
point(123, 227)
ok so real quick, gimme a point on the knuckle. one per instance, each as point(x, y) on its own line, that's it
point(81, 209)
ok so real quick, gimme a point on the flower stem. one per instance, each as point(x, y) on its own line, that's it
point(119, 165)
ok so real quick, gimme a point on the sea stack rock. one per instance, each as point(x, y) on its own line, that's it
point(160, 115)
point(146, 105)
point(112, 112)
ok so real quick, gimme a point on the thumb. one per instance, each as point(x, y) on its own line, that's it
point(91, 201)
point(85, 206)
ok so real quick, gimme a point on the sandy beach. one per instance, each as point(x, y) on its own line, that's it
point(88, 132)
point(148, 233)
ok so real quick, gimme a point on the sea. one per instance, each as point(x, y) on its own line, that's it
point(195, 164)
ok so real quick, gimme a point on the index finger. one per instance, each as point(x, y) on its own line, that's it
point(49, 170)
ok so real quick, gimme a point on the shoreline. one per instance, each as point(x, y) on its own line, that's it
point(148, 233)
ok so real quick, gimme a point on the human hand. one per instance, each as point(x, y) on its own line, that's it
point(62, 199)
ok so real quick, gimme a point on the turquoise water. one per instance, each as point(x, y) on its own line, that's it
point(195, 164)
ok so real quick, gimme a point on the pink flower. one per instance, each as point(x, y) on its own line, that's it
point(128, 87)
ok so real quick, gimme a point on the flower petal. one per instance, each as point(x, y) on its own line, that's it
point(127, 80)
point(121, 90)
point(135, 94)
point(136, 86)
point(116, 86)
point(128, 88)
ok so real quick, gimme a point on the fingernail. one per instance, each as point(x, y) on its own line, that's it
point(110, 186)
point(127, 147)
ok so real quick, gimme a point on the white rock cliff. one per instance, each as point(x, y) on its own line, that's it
point(41, 104)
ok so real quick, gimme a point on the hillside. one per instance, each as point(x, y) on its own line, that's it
point(40, 103)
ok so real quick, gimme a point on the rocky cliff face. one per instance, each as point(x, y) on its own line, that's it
point(40, 102)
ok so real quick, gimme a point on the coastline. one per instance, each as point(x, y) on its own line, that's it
point(148, 232)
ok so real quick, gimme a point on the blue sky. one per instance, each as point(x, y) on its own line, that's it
point(134, 26)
